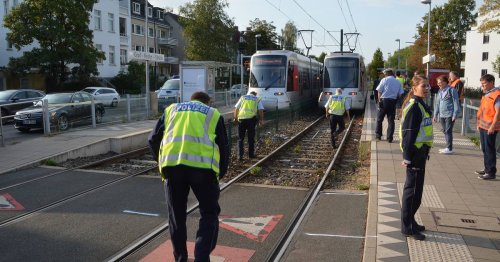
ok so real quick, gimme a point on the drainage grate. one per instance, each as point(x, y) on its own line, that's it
point(466, 221)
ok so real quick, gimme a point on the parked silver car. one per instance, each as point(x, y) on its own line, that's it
point(107, 96)
point(168, 93)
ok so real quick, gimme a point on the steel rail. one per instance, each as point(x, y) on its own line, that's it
point(280, 248)
point(141, 242)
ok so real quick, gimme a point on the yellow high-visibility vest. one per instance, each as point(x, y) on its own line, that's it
point(336, 105)
point(248, 106)
point(426, 132)
point(189, 137)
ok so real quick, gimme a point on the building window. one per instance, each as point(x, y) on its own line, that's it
point(111, 57)
point(5, 7)
point(97, 20)
point(150, 12)
point(486, 39)
point(159, 13)
point(99, 48)
point(123, 26)
point(9, 45)
point(123, 57)
point(151, 32)
point(152, 50)
point(485, 56)
point(15, 3)
point(137, 8)
point(484, 72)
point(139, 48)
point(111, 22)
point(137, 29)
point(162, 34)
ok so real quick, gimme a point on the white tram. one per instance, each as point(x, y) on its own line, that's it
point(345, 70)
point(284, 79)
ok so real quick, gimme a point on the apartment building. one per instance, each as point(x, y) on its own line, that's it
point(159, 38)
point(481, 50)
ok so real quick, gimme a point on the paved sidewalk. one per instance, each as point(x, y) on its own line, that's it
point(460, 212)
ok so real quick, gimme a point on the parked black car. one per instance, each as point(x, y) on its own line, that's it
point(65, 109)
point(17, 100)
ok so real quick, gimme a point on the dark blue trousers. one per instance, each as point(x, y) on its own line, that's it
point(336, 120)
point(412, 191)
point(489, 151)
point(206, 189)
point(387, 107)
point(244, 126)
point(447, 125)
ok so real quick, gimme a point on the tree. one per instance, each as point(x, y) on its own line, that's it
point(321, 57)
point(130, 82)
point(496, 65)
point(449, 24)
point(267, 39)
point(208, 29)
point(377, 62)
point(289, 34)
point(61, 30)
point(490, 12)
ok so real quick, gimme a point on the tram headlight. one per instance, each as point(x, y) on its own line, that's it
point(353, 93)
point(327, 93)
point(279, 93)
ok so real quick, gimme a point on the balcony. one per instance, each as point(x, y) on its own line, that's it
point(171, 60)
point(123, 39)
point(167, 41)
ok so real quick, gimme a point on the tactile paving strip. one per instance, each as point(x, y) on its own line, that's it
point(439, 247)
point(430, 197)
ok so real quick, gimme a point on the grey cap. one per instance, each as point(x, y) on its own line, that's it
point(387, 70)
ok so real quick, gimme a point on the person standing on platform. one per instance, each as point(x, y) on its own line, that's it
point(402, 81)
point(336, 106)
point(191, 146)
point(389, 91)
point(488, 125)
point(446, 111)
point(375, 84)
point(456, 83)
point(416, 137)
point(245, 114)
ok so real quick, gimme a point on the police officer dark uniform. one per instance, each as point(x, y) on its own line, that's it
point(416, 136)
point(335, 107)
point(245, 114)
point(191, 146)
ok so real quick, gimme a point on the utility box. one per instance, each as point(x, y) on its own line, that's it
point(194, 78)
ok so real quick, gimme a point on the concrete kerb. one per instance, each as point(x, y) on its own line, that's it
point(118, 144)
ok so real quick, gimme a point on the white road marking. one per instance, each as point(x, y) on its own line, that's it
point(141, 213)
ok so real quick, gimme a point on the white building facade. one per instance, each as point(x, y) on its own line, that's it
point(481, 50)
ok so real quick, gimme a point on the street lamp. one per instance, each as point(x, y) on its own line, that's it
point(425, 2)
point(399, 50)
point(256, 36)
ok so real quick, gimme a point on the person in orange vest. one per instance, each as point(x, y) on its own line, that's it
point(488, 125)
point(456, 83)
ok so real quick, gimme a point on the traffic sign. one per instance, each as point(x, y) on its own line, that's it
point(221, 253)
point(254, 228)
point(8, 203)
point(138, 55)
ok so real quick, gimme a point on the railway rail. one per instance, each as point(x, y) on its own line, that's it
point(295, 157)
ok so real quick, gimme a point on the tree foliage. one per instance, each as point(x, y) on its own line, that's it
point(268, 37)
point(289, 34)
point(321, 57)
point(131, 81)
point(377, 62)
point(60, 28)
point(208, 29)
point(449, 24)
point(490, 10)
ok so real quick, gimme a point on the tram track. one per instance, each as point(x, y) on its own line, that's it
point(313, 136)
point(65, 199)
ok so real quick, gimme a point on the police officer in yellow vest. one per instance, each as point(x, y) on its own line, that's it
point(191, 146)
point(245, 114)
point(335, 107)
point(416, 136)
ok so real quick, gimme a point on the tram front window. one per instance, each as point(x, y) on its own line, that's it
point(341, 72)
point(268, 72)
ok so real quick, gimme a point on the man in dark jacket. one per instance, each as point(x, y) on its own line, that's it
point(182, 139)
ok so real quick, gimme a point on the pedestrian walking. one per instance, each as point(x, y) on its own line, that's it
point(336, 107)
point(389, 91)
point(245, 114)
point(416, 137)
point(191, 146)
point(488, 125)
point(446, 110)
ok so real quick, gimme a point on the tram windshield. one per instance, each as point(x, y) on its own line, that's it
point(268, 71)
point(341, 72)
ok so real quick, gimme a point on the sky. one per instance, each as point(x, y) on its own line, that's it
point(378, 22)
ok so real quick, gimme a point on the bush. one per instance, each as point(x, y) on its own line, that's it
point(473, 92)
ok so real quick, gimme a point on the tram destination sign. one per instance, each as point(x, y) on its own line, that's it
point(138, 55)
